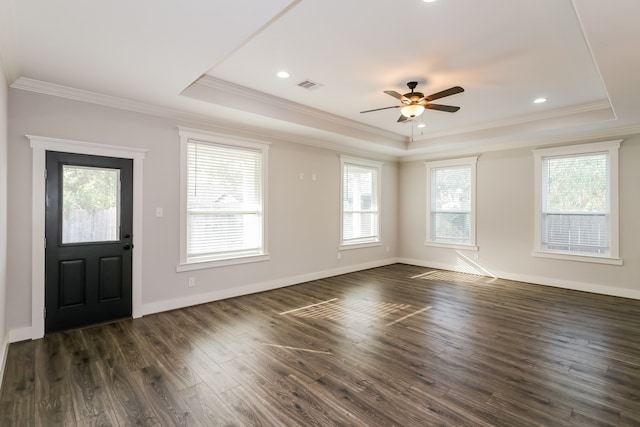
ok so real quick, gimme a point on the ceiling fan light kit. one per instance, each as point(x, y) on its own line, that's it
point(412, 110)
point(414, 103)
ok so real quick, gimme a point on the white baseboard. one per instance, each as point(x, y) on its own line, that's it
point(20, 334)
point(536, 280)
point(24, 333)
point(160, 306)
point(3, 357)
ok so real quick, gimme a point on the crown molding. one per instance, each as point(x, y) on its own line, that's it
point(346, 145)
point(244, 94)
point(254, 96)
point(555, 113)
point(208, 123)
point(541, 141)
point(46, 88)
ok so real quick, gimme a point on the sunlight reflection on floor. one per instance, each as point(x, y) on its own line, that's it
point(451, 276)
point(357, 311)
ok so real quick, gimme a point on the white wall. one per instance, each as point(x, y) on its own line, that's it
point(505, 221)
point(4, 335)
point(304, 215)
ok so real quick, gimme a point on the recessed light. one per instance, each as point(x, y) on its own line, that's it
point(428, 1)
point(283, 74)
point(422, 125)
point(539, 100)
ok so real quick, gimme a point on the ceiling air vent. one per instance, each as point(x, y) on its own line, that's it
point(310, 85)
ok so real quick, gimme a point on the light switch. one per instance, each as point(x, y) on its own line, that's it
point(159, 212)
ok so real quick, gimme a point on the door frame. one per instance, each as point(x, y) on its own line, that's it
point(40, 145)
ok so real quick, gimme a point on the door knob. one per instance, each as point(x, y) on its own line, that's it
point(127, 247)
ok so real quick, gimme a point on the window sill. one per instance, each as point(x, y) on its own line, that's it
point(200, 265)
point(457, 246)
point(578, 258)
point(359, 245)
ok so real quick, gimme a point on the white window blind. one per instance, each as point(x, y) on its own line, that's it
point(451, 204)
point(224, 201)
point(360, 210)
point(575, 204)
point(576, 189)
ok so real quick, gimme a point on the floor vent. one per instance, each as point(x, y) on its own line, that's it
point(310, 85)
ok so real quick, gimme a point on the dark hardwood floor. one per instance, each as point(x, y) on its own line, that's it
point(393, 346)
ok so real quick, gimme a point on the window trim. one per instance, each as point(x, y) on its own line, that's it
point(373, 242)
point(193, 135)
point(465, 161)
point(612, 149)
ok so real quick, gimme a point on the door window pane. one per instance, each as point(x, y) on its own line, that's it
point(90, 204)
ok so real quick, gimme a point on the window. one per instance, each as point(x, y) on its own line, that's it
point(451, 192)
point(90, 204)
point(577, 202)
point(360, 202)
point(223, 204)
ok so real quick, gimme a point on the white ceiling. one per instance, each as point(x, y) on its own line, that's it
point(215, 61)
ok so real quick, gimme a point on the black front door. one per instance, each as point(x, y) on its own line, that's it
point(88, 239)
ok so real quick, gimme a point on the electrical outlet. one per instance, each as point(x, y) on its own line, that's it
point(192, 282)
point(339, 255)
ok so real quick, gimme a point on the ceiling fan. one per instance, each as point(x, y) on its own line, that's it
point(414, 103)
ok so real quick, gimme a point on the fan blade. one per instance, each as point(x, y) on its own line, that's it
point(446, 92)
point(402, 119)
point(397, 95)
point(378, 109)
point(439, 107)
